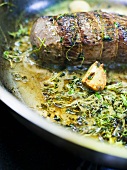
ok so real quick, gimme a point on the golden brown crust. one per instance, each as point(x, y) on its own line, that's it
point(81, 38)
point(121, 22)
point(109, 36)
point(68, 30)
point(90, 37)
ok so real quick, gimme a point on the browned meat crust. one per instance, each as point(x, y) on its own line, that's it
point(81, 38)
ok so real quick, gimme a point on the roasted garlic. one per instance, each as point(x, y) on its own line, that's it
point(95, 77)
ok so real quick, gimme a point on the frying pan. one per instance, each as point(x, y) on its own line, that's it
point(85, 147)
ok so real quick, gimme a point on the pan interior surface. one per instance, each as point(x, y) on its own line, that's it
point(25, 79)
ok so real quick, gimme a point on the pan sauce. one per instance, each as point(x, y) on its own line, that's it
point(61, 97)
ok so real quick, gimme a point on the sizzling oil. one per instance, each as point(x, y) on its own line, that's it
point(32, 83)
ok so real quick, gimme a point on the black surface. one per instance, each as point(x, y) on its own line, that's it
point(22, 149)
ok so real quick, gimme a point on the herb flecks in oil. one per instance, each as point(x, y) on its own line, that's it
point(20, 32)
point(97, 114)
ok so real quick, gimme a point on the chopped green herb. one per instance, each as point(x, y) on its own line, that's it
point(107, 38)
point(82, 58)
point(116, 24)
point(100, 113)
point(36, 50)
point(98, 95)
point(71, 91)
point(61, 39)
point(21, 32)
point(124, 100)
point(8, 55)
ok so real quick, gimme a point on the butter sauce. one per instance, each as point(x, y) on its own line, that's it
point(61, 97)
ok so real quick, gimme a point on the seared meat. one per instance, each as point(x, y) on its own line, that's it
point(81, 38)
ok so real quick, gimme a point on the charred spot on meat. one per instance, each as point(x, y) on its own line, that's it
point(80, 38)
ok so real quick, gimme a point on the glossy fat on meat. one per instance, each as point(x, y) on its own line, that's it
point(81, 38)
